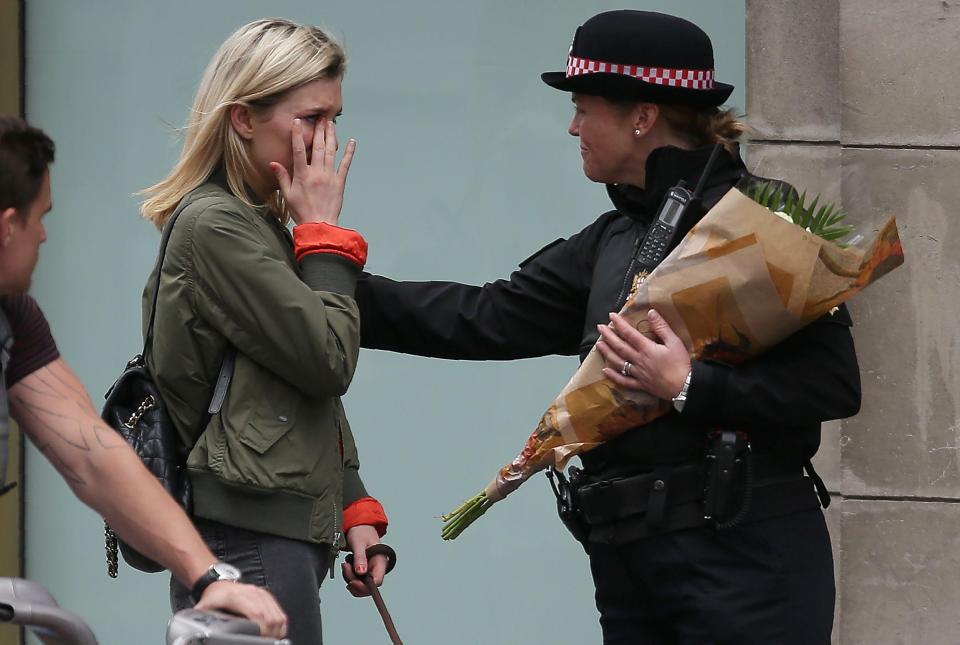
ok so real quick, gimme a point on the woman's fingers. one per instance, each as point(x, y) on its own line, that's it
point(662, 329)
point(354, 583)
point(299, 149)
point(347, 159)
point(330, 150)
point(319, 143)
point(656, 368)
point(629, 333)
point(615, 342)
point(610, 356)
point(614, 366)
point(314, 189)
point(378, 569)
point(626, 382)
point(283, 177)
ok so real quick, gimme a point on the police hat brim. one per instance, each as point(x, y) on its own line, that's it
point(621, 87)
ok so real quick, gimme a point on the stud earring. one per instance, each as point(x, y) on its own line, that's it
point(636, 132)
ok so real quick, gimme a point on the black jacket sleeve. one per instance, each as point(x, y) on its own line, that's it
point(810, 377)
point(538, 311)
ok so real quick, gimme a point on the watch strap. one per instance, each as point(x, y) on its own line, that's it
point(210, 576)
point(681, 399)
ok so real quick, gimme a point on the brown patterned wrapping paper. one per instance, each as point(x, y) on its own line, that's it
point(741, 281)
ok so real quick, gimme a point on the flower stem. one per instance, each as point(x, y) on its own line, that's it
point(465, 515)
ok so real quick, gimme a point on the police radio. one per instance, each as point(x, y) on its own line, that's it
point(666, 226)
point(664, 229)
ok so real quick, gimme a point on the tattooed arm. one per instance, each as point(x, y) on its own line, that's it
point(54, 410)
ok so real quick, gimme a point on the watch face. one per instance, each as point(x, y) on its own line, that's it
point(226, 571)
point(679, 401)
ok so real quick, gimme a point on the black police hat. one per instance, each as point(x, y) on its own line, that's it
point(641, 55)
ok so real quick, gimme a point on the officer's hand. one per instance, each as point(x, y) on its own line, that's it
point(658, 368)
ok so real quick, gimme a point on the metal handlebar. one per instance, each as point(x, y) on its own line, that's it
point(192, 626)
point(27, 603)
point(228, 639)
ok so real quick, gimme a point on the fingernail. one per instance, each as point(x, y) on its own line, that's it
point(361, 569)
point(652, 314)
point(600, 328)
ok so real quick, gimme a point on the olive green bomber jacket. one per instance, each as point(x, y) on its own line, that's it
point(280, 457)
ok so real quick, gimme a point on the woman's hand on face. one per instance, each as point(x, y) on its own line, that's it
point(315, 191)
point(656, 368)
point(359, 539)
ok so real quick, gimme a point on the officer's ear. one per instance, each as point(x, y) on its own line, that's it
point(644, 117)
point(6, 226)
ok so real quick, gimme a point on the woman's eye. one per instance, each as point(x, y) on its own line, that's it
point(311, 119)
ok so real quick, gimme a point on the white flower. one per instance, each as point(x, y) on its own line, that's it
point(783, 215)
point(786, 217)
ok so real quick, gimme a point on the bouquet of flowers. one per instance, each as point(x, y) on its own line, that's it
point(743, 279)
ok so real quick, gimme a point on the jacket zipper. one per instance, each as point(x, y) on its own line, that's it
point(335, 542)
point(337, 533)
point(628, 276)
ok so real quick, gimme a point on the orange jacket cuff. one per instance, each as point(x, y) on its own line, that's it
point(365, 510)
point(320, 237)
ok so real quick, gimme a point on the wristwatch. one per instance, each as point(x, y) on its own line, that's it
point(218, 571)
point(681, 399)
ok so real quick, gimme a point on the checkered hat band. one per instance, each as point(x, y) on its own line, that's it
point(694, 79)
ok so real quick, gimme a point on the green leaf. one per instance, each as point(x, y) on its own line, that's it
point(824, 221)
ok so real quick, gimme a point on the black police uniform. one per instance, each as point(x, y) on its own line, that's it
point(663, 574)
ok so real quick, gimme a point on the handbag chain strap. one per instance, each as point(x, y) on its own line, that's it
point(134, 419)
point(158, 270)
point(226, 366)
point(111, 542)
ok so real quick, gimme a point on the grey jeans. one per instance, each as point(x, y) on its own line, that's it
point(290, 569)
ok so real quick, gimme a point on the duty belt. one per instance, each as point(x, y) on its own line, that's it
point(670, 498)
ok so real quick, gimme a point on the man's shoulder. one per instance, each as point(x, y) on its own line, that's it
point(21, 309)
point(34, 346)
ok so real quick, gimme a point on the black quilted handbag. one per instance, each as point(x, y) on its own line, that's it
point(135, 409)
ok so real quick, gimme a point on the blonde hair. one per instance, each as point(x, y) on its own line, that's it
point(256, 66)
point(703, 126)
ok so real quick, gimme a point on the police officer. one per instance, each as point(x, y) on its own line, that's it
point(701, 527)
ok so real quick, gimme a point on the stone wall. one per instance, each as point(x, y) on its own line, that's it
point(860, 100)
